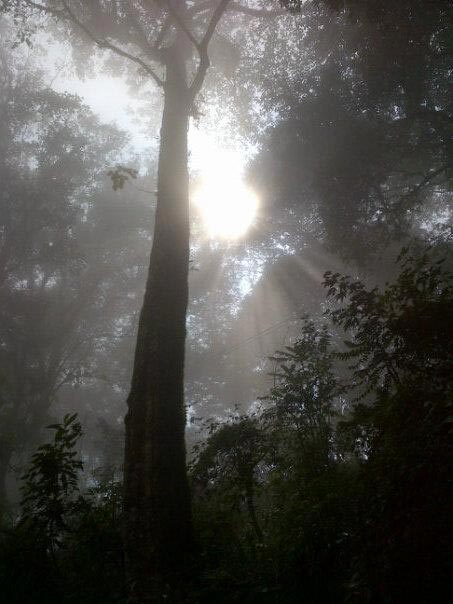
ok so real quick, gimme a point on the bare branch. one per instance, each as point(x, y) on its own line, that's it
point(68, 14)
point(112, 47)
point(202, 47)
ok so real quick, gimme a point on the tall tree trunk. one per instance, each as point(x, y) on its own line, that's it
point(157, 526)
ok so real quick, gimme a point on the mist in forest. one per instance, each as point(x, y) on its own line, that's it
point(225, 301)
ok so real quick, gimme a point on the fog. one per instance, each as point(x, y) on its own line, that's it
point(298, 142)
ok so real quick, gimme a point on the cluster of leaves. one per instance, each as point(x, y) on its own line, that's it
point(399, 331)
point(52, 479)
point(120, 176)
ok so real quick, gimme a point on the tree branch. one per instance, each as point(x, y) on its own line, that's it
point(202, 47)
point(424, 182)
point(69, 15)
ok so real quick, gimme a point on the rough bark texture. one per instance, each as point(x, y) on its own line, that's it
point(157, 528)
point(5, 459)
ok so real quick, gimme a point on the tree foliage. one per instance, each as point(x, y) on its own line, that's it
point(361, 144)
point(52, 479)
point(62, 533)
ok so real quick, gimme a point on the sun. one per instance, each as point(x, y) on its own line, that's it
point(226, 204)
point(227, 207)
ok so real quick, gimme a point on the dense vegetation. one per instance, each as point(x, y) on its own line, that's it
point(334, 488)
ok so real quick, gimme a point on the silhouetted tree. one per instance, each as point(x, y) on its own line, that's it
point(400, 354)
point(349, 458)
point(47, 285)
point(362, 148)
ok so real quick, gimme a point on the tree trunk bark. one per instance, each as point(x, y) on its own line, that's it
point(157, 512)
point(5, 460)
